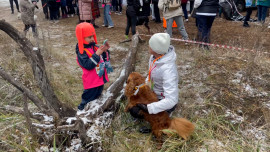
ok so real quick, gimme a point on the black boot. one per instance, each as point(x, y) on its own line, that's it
point(246, 24)
point(144, 130)
point(12, 12)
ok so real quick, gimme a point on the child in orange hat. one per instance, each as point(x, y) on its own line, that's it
point(94, 61)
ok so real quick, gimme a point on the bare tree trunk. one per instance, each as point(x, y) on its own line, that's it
point(37, 63)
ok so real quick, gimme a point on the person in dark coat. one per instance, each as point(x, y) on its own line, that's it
point(144, 13)
point(45, 8)
point(71, 10)
point(156, 11)
point(205, 16)
point(11, 6)
point(53, 9)
point(191, 4)
point(184, 8)
point(249, 6)
point(133, 7)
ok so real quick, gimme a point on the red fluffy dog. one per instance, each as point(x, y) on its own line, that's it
point(158, 121)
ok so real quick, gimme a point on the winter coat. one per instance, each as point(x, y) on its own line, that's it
point(206, 7)
point(89, 63)
point(27, 12)
point(85, 9)
point(263, 3)
point(167, 14)
point(145, 8)
point(165, 79)
point(133, 7)
point(52, 4)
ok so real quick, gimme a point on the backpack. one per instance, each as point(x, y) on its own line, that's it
point(172, 4)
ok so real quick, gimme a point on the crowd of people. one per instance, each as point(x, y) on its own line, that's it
point(138, 12)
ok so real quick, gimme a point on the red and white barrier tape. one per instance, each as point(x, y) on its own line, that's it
point(214, 45)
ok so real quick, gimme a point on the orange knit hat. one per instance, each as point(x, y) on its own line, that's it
point(84, 30)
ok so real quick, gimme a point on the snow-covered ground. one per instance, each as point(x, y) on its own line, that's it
point(5, 3)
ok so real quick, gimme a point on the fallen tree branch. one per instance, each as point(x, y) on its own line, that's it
point(23, 89)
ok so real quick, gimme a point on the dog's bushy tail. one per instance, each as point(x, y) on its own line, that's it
point(183, 127)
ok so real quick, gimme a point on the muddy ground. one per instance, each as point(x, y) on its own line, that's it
point(232, 84)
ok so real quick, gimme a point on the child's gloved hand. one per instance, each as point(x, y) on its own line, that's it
point(101, 69)
point(108, 66)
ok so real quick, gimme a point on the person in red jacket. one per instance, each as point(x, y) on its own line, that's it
point(184, 8)
point(94, 61)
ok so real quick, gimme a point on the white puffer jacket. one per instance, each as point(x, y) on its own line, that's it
point(165, 78)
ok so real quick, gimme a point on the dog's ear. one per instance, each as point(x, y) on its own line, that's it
point(130, 88)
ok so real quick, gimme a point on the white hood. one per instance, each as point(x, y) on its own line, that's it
point(165, 78)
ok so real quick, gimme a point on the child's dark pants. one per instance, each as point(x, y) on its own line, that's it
point(90, 95)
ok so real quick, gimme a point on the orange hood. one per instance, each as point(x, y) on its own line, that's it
point(84, 30)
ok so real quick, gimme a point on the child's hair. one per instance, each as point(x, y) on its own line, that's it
point(84, 30)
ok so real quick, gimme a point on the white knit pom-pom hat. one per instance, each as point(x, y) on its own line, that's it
point(160, 43)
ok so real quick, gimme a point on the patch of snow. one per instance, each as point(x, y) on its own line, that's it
point(45, 117)
point(119, 48)
point(43, 149)
point(238, 77)
point(104, 122)
point(54, 150)
point(70, 119)
point(48, 118)
point(235, 118)
point(42, 125)
point(85, 120)
point(258, 134)
point(213, 145)
point(254, 92)
point(262, 94)
point(206, 112)
point(75, 145)
point(248, 89)
point(267, 104)
point(80, 112)
point(93, 133)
